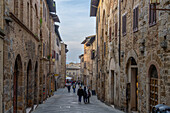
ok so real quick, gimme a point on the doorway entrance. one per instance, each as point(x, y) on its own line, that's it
point(132, 85)
point(17, 86)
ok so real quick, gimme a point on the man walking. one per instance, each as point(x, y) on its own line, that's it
point(80, 93)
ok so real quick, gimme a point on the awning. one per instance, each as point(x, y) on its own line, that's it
point(55, 17)
point(93, 7)
point(57, 32)
point(51, 5)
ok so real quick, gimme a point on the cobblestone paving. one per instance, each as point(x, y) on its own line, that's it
point(64, 102)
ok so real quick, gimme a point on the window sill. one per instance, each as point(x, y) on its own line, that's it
point(152, 24)
point(135, 30)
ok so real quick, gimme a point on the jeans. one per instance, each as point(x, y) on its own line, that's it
point(74, 90)
point(80, 98)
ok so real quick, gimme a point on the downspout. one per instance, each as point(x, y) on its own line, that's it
point(119, 48)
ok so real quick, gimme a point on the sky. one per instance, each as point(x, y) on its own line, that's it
point(76, 24)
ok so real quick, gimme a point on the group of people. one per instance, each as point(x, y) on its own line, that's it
point(86, 94)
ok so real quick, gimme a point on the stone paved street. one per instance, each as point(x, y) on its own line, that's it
point(64, 102)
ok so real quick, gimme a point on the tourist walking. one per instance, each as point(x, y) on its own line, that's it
point(80, 93)
point(74, 88)
point(85, 95)
point(88, 95)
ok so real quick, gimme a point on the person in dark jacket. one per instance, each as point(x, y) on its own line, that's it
point(88, 95)
point(80, 93)
point(85, 95)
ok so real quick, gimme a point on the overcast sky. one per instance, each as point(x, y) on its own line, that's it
point(76, 24)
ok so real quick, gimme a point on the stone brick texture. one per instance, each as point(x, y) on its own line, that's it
point(150, 37)
point(23, 50)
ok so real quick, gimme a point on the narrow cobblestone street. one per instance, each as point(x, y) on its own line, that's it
point(64, 102)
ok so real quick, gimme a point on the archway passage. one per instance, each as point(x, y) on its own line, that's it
point(17, 88)
point(36, 84)
point(153, 74)
point(132, 85)
point(29, 89)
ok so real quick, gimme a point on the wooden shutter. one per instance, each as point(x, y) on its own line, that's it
point(137, 18)
point(154, 14)
point(110, 34)
point(104, 48)
point(116, 30)
point(125, 25)
point(133, 19)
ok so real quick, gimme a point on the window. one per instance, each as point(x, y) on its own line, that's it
point(153, 87)
point(84, 64)
point(44, 11)
point(124, 25)
point(57, 56)
point(44, 49)
point(152, 14)
point(92, 54)
point(28, 12)
point(21, 10)
point(135, 19)
point(57, 41)
point(53, 54)
point(16, 7)
point(104, 48)
point(110, 34)
point(116, 30)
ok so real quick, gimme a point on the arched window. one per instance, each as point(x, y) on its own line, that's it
point(16, 7)
point(153, 99)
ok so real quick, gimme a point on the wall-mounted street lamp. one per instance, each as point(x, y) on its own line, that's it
point(157, 2)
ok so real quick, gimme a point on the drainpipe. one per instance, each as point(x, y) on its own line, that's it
point(119, 31)
point(119, 48)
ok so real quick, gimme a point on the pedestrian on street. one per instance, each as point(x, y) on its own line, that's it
point(88, 95)
point(80, 93)
point(74, 87)
point(85, 95)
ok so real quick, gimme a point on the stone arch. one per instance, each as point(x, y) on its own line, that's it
point(29, 88)
point(18, 84)
point(36, 84)
point(112, 75)
point(153, 64)
point(130, 54)
point(131, 71)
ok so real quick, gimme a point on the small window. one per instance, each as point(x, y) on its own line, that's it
point(124, 25)
point(135, 19)
point(116, 30)
point(104, 48)
point(110, 34)
point(152, 14)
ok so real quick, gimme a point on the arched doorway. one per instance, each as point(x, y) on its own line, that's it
point(29, 90)
point(132, 85)
point(36, 84)
point(17, 86)
point(153, 75)
point(112, 80)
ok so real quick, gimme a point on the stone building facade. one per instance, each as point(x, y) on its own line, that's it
point(89, 59)
point(64, 51)
point(133, 53)
point(73, 70)
point(2, 34)
point(26, 28)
